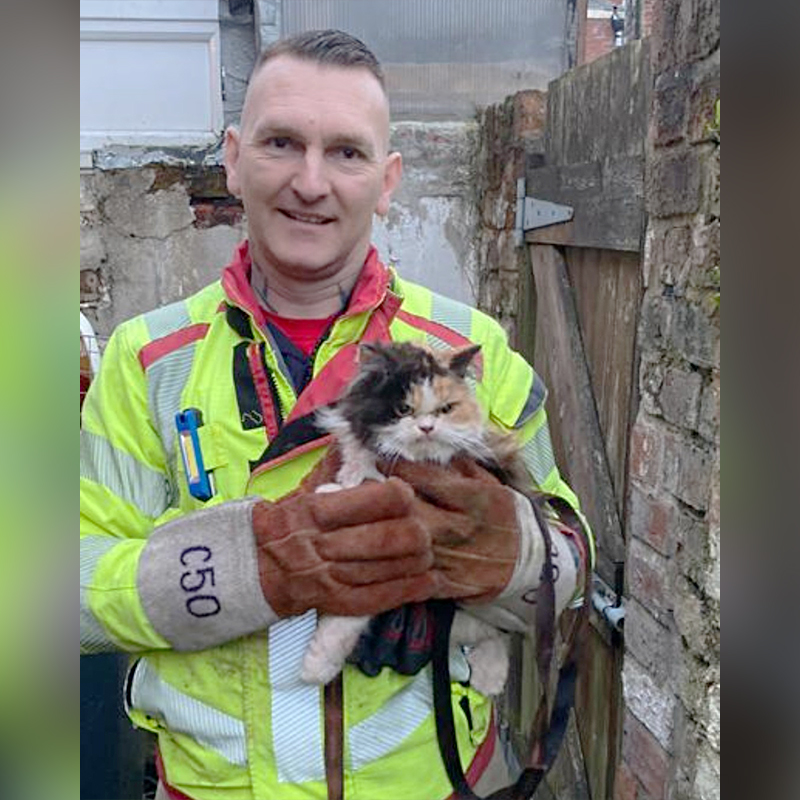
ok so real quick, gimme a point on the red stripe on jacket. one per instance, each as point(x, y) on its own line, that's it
point(159, 348)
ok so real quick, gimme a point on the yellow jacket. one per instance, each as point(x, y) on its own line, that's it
point(233, 720)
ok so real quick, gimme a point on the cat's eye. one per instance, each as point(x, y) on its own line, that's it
point(404, 409)
point(445, 408)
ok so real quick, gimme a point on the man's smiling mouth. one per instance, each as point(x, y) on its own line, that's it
point(311, 219)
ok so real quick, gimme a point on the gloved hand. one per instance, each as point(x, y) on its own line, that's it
point(355, 552)
point(472, 521)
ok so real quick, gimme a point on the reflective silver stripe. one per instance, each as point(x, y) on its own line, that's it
point(181, 713)
point(436, 343)
point(276, 352)
point(163, 321)
point(453, 314)
point(167, 377)
point(166, 380)
point(537, 454)
point(120, 472)
point(537, 396)
point(93, 636)
point(296, 706)
point(457, 317)
point(397, 720)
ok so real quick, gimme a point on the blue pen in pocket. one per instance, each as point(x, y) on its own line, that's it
point(201, 482)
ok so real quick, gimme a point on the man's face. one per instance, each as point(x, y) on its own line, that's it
point(310, 164)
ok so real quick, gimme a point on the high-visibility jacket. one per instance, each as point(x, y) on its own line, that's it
point(234, 721)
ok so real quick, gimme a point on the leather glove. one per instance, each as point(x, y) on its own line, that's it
point(355, 552)
point(472, 521)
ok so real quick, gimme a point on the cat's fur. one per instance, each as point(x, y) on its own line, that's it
point(410, 402)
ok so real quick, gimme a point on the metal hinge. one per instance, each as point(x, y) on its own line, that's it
point(608, 604)
point(534, 213)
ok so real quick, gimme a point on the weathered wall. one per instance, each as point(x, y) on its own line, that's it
point(145, 239)
point(154, 232)
point(509, 134)
point(429, 232)
point(671, 737)
point(238, 47)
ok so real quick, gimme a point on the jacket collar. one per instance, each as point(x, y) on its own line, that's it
point(368, 293)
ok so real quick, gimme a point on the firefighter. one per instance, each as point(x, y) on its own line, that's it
point(205, 552)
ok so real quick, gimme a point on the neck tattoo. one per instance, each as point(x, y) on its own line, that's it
point(259, 285)
point(344, 296)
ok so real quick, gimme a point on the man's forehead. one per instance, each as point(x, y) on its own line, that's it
point(281, 90)
point(288, 70)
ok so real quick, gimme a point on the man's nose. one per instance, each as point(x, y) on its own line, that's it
point(310, 181)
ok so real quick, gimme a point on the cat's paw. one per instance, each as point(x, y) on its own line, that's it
point(318, 669)
point(488, 663)
point(325, 488)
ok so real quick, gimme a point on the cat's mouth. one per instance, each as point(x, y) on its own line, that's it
point(308, 219)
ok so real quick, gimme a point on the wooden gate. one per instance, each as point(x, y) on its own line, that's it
point(578, 326)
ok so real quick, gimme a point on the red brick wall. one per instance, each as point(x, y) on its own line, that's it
point(599, 39)
point(648, 16)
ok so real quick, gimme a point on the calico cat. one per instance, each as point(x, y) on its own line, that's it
point(410, 402)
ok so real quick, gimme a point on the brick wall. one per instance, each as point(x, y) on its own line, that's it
point(670, 746)
point(639, 18)
point(508, 133)
point(598, 39)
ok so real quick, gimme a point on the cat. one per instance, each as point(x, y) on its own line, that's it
point(408, 401)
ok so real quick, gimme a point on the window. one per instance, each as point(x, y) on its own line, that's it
point(150, 73)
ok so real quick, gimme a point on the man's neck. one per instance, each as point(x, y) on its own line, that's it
point(302, 299)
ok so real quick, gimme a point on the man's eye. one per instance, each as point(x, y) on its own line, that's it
point(349, 153)
point(279, 142)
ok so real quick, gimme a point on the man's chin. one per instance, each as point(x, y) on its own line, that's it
point(308, 263)
point(294, 258)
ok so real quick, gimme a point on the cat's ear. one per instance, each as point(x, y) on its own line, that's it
point(461, 358)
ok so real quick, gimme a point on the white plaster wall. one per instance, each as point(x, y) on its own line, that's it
point(422, 243)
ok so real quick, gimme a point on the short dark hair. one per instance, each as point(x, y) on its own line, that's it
point(332, 47)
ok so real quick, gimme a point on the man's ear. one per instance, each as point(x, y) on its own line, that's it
point(232, 161)
point(393, 171)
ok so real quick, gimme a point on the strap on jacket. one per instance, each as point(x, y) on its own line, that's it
point(334, 738)
point(549, 726)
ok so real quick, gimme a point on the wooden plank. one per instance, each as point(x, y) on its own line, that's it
point(567, 777)
point(597, 710)
point(600, 110)
point(608, 287)
point(607, 198)
point(595, 150)
point(577, 435)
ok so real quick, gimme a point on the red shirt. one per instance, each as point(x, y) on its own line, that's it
point(303, 333)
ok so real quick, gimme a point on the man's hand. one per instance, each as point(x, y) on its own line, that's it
point(356, 552)
point(472, 520)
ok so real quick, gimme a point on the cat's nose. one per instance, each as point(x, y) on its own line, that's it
point(425, 427)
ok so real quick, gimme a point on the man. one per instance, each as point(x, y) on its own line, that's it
point(213, 572)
